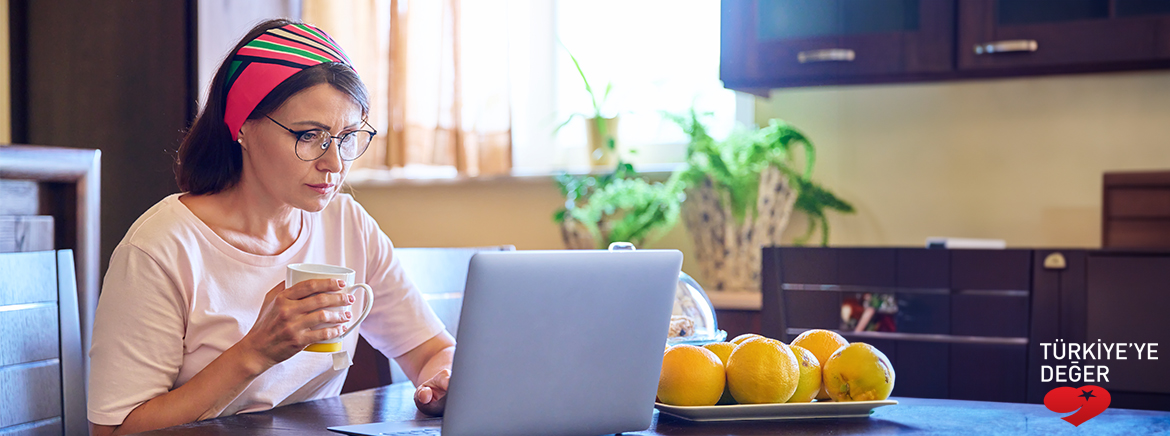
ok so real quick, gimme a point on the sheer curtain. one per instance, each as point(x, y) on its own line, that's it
point(437, 71)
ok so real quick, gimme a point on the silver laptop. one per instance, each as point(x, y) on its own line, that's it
point(555, 343)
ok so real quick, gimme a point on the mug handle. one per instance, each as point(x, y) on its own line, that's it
point(368, 304)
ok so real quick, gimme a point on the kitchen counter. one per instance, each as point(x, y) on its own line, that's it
point(910, 416)
point(735, 300)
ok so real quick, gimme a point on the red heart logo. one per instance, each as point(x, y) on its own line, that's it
point(1091, 400)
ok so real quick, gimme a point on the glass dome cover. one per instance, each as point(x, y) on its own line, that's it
point(693, 309)
point(693, 319)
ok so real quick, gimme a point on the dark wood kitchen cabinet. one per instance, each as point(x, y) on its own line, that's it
point(972, 324)
point(1135, 210)
point(775, 43)
point(1105, 296)
point(1051, 35)
point(957, 318)
point(769, 44)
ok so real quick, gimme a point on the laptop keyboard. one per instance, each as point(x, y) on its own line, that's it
point(418, 432)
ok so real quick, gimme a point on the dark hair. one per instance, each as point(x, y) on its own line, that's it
point(208, 160)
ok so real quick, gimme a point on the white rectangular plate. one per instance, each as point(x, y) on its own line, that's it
point(779, 411)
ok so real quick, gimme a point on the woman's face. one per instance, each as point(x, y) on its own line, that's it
point(270, 160)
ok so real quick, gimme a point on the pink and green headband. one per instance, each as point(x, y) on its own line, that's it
point(267, 61)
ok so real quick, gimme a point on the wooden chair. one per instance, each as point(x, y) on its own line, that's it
point(63, 183)
point(440, 274)
point(42, 389)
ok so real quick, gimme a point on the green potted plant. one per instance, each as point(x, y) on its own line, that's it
point(620, 206)
point(601, 130)
point(740, 193)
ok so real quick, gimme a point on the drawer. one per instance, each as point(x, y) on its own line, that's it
point(1127, 299)
point(1137, 233)
point(1148, 202)
point(923, 268)
point(923, 369)
point(866, 267)
point(921, 312)
point(987, 372)
point(990, 313)
point(991, 269)
point(813, 309)
point(808, 265)
point(738, 322)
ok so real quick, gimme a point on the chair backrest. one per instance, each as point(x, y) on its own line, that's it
point(440, 275)
point(41, 369)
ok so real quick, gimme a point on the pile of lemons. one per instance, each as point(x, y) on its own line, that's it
point(753, 369)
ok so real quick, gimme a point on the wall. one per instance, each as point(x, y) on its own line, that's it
point(1017, 159)
point(499, 212)
point(92, 81)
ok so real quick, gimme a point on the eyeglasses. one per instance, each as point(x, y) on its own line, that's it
point(312, 143)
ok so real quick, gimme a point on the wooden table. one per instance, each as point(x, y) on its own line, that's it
point(911, 415)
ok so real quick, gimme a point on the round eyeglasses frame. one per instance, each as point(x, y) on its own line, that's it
point(328, 139)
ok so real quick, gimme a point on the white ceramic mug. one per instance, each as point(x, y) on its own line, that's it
point(299, 272)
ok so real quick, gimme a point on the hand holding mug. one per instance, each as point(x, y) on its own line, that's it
point(289, 319)
point(302, 272)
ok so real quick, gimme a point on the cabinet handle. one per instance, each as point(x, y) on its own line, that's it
point(1055, 261)
point(1008, 46)
point(826, 55)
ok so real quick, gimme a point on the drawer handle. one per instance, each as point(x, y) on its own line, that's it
point(1055, 261)
point(826, 55)
point(1008, 46)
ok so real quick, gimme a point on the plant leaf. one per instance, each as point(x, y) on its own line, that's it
point(733, 166)
point(564, 123)
point(605, 96)
point(589, 89)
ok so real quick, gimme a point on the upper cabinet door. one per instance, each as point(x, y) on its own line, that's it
point(775, 43)
point(1062, 35)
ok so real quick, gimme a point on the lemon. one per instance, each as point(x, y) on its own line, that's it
point(858, 372)
point(810, 376)
point(691, 376)
point(762, 370)
point(723, 350)
point(739, 339)
point(822, 344)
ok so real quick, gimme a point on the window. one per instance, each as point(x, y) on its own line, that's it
point(658, 55)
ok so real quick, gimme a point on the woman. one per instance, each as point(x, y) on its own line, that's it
point(194, 320)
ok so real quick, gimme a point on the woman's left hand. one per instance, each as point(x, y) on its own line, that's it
point(431, 396)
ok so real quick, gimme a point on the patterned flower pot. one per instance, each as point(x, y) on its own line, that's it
point(576, 236)
point(728, 252)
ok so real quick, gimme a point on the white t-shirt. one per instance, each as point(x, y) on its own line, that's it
point(176, 296)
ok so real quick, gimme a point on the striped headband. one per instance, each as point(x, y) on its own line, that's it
point(267, 61)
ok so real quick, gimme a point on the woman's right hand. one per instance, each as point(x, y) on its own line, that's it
point(285, 324)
